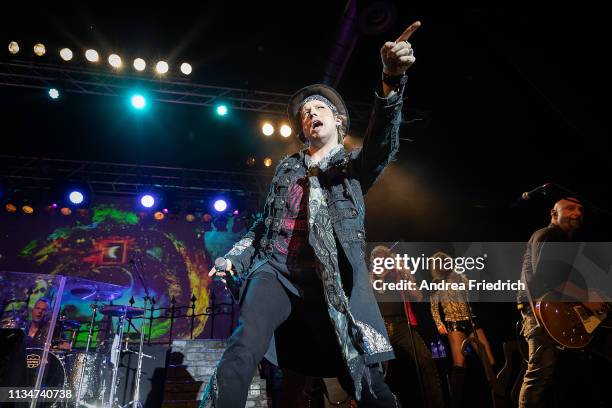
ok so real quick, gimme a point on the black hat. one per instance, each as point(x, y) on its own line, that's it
point(295, 104)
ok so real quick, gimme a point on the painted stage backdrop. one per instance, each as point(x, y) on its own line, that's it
point(175, 256)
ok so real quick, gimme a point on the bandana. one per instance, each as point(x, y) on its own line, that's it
point(322, 99)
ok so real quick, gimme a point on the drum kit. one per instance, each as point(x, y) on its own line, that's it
point(91, 373)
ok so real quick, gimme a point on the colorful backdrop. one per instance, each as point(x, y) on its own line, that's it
point(175, 256)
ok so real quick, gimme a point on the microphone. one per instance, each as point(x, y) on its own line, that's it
point(528, 194)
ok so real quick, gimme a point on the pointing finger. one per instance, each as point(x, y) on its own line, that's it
point(408, 32)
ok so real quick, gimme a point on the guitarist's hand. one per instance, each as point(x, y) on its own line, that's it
point(442, 330)
point(596, 302)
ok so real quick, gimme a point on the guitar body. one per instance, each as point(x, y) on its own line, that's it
point(569, 324)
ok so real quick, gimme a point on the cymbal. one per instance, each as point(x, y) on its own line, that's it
point(83, 291)
point(87, 289)
point(105, 295)
point(120, 310)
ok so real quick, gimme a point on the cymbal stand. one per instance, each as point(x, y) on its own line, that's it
point(116, 360)
point(136, 399)
point(87, 345)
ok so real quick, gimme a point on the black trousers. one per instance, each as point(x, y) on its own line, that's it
point(265, 306)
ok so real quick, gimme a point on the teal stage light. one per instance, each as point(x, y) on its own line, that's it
point(139, 101)
point(221, 110)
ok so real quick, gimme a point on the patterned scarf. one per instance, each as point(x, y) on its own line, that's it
point(349, 332)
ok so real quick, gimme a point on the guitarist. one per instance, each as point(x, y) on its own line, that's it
point(545, 271)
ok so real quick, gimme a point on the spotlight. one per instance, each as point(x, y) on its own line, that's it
point(54, 93)
point(66, 211)
point(27, 209)
point(139, 101)
point(267, 162)
point(235, 212)
point(220, 205)
point(285, 131)
point(161, 67)
point(83, 212)
point(139, 64)
point(158, 215)
point(13, 47)
point(186, 68)
point(66, 54)
point(165, 211)
point(190, 217)
point(76, 197)
point(10, 207)
point(221, 110)
point(115, 61)
point(250, 161)
point(39, 49)
point(207, 217)
point(267, 129)
point(147, 201)
point(92, 55)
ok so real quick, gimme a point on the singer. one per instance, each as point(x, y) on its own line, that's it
point(306, 296)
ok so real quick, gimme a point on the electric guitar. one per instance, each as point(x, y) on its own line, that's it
point(570, 324)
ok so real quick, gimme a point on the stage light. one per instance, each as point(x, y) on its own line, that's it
point(39, 49)
point(13, 47)
point(186, 68)
point(10, 207)
point(250, 161)
point(236, 212)
point(158, 215)
point(66, 211)
point(285, 130)
point(92, 55)
point(220, 205)
point(190, 217)
point(165, 211)
point(267, 129)
point(115, 61)
point(161, 67)
point(138, 101)
point(27, 209)
point(53, 93)
point(66, 54)
point(267, 162)
point(76, 197)
point(207, 217)
point(147, 201)
point(82, 212)
point(139, 64)
point(221, 110)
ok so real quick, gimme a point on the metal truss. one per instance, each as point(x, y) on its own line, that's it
point(171, 90)
point(34, 176)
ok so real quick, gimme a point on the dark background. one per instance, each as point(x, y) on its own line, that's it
point(514, 97)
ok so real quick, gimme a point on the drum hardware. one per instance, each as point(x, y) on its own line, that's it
point(79, 390)
point(136, 399)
